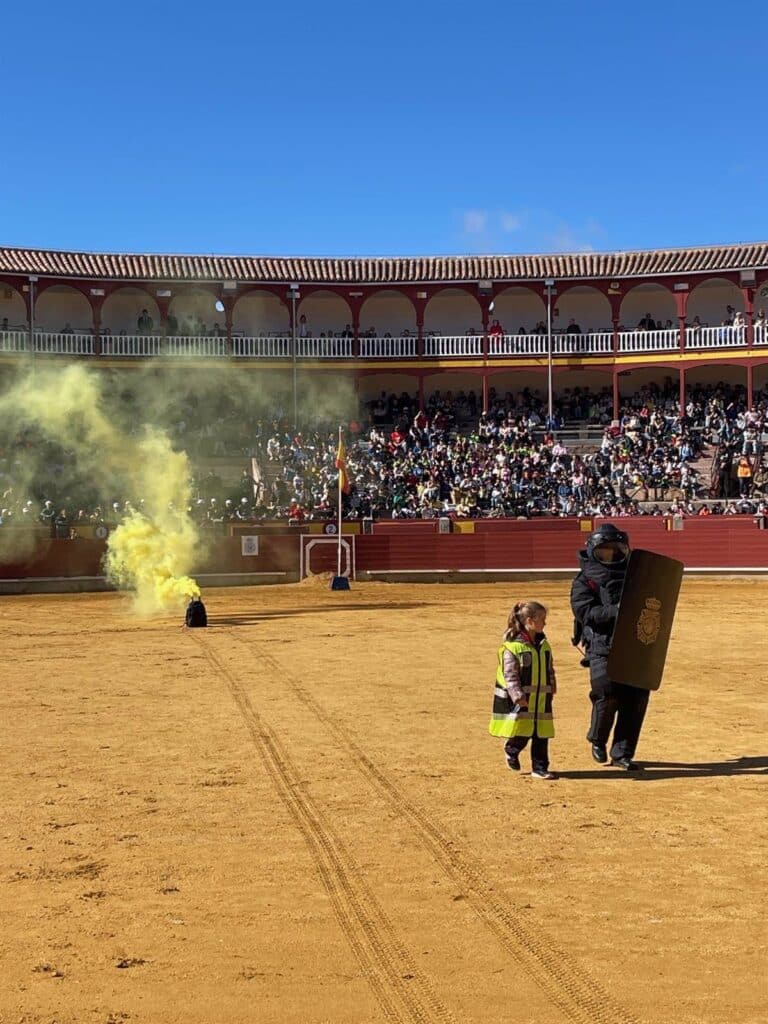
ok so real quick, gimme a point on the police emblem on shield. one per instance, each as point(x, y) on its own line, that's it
point(641, 635)
point(649, 623)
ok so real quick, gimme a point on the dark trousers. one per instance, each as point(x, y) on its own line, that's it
point(615, 703)
point(539, 750)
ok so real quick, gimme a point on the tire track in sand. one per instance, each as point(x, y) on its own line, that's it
point(401, 989)
point(578, 996)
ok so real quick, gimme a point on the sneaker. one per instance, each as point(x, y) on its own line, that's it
point(537, 773)
point(513, 762)
point(626, 763)
point(599, 754)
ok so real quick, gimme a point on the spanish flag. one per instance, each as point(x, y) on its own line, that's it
point(341, 465)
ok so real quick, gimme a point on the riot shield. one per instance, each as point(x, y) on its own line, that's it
point(644, 623)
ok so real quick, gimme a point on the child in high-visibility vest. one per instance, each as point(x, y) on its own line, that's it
point(525, 686)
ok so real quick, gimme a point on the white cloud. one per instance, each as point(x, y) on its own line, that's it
point(510, 221)
point(565, 237)
point(475, 221)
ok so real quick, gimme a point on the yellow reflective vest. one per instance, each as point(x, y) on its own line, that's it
point(508, 718)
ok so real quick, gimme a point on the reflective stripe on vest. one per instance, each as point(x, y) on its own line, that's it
point(508, 718)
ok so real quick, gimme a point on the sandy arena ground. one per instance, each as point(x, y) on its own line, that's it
point(298, 816)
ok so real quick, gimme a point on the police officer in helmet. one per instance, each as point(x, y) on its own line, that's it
point(595, 596)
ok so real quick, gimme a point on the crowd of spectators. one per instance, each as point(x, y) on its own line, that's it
point(509, 463)
point(448, 459)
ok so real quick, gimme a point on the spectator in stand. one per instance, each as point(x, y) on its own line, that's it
point(496, 330)
point(647, 323)
point(573, 327)
point(61, 525)
point(145, 322)
point(47, 513)
point(744, 475)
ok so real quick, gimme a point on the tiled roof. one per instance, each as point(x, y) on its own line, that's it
point(381, 270)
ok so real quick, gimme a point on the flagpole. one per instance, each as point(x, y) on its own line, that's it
point(338, 552)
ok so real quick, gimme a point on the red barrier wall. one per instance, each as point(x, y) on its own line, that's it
point(44, 557)
point(72, 558)
point(735, 542)
point(706, 543)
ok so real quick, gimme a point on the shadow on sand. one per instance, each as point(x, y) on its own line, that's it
point(654, 770)
point(253, 618)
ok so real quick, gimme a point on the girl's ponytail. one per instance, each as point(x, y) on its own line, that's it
point(520, 612)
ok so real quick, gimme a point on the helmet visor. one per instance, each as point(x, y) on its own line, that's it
point(611, 551)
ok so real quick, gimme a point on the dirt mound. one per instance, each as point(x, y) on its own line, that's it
point(317, 580)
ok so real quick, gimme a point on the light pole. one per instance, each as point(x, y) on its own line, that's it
point(549, 284)
point(294, 295)
point(32, 281)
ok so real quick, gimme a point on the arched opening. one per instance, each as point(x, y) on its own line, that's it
point(584, 307)
point(324, 314)
point(583, 396)
point(760, 382)
point(329, 398)
point(260, 314)
point(710, 302)
point(193, 314)
point(726, 382)
point(648, 307)
point(727, 375)
point(384, 397)
point(13, 309)
point(518, 310)
point(517, 390)
point(61, 309)
point(579, 395)
point(389, 314)
point(657, 384)
point(453, 312)
point(459, 393)
point(130, 310)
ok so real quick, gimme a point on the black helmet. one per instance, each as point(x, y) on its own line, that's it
point(608, 537)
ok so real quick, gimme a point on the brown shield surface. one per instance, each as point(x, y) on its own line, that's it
point(644, 624)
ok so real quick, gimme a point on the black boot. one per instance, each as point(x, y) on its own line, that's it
point(626, 763)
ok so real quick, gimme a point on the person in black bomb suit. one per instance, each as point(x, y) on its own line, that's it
point(595, 597)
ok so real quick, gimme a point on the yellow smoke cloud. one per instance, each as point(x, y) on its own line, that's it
point(151, 552)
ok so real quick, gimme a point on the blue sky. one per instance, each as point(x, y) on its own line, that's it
point(383, 128)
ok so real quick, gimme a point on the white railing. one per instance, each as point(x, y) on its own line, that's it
point(131, 345)
point(453, 345)
point(517, 344)
point(715, 337)
point(649, 341)
point(323, 348)
point(196, 345)
point(14, 341)
point(387, 348)
point(278, 347)
point(597, 343)
point(435, 346)
point(63, 344)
